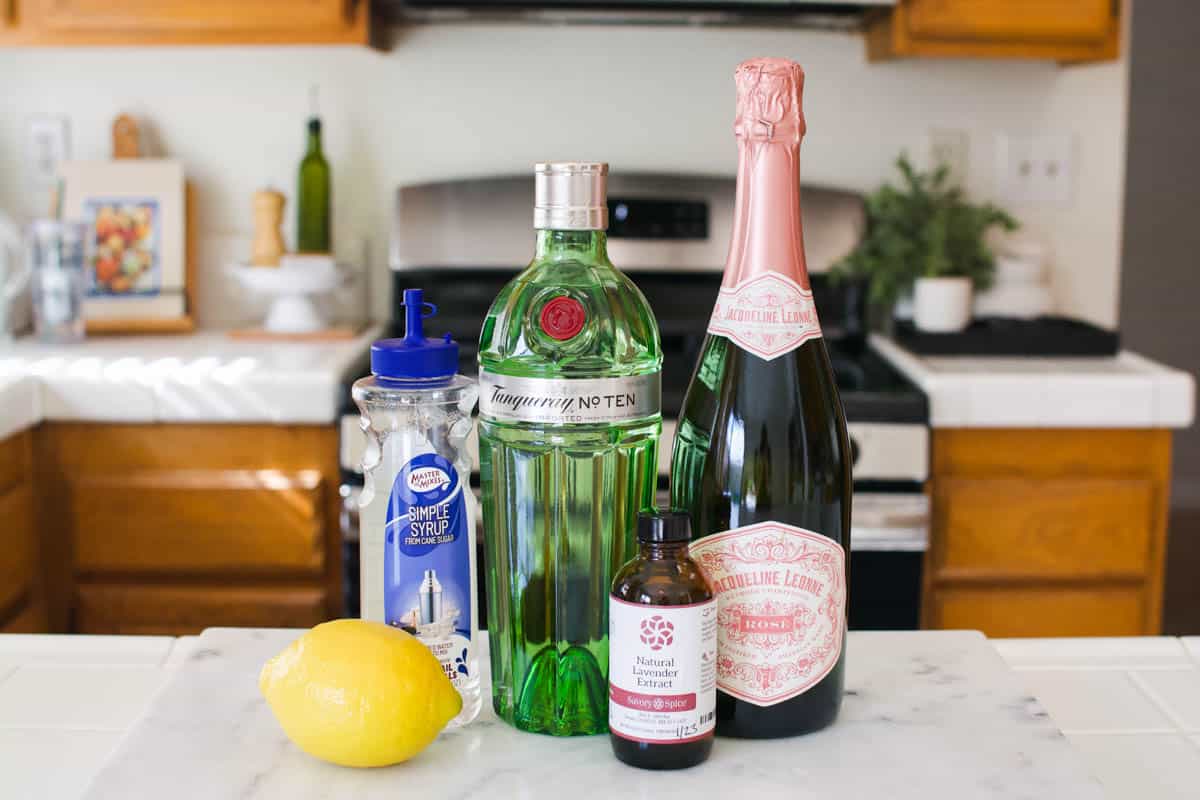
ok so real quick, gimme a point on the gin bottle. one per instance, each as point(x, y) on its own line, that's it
point(761, 454)
point(570, 367)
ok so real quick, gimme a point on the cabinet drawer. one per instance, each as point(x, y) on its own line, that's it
point(1041, 611)
point(199, 521)
point(17, 562)
point(180, 610)
point(1070, 528)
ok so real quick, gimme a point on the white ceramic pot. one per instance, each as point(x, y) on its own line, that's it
point(942, 305)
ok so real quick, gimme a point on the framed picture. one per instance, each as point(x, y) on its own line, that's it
point(136, 262)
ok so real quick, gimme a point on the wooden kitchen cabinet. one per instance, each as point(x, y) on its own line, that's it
point(1048, 532)
point(137, 22)
point(1060, 30)
point(22, 606)
point(171, 528)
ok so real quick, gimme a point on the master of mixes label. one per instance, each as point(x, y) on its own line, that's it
point(427, 588)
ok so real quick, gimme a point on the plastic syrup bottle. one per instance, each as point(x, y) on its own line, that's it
point(761, 458)
point(662, 646)
point(417, 556)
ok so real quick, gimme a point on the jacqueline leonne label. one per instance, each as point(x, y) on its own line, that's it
point(781, 599)
point(768, 315)
point(558, 401)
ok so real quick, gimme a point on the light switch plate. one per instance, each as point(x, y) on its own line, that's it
point(1035, 170)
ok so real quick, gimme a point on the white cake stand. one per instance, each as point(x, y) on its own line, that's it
point(293, 290)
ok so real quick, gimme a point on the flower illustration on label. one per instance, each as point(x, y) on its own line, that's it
point(769, 315)
point(426, 479)
point(781, 608)
point(657, 632)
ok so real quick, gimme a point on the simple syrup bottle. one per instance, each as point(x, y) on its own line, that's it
point(662, 651)
point(417, 512)
point(761, 457)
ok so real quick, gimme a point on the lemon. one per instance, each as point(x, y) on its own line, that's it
point(359, 694)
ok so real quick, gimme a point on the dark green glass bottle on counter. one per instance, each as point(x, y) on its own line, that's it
point(313, 197)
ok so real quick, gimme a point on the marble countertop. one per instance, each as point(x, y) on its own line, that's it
point(1126, 391)
point(202, 377)
point(1128, 708)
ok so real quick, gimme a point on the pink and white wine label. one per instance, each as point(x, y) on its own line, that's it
point(768, 315)
point(781, 608)
point(662, 671)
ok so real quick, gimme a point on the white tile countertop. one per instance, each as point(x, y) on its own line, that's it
point(201, 377)
point(1125, 391)
point(1129, 708)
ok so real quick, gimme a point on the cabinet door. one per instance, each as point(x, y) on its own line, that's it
point(200, 21)
point(20, 581)
point(1060, 30)
point(1014, 20)
point(1048, 532)
point(204, 524)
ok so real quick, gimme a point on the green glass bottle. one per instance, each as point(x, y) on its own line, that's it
point(313, 197)
point(570, 366)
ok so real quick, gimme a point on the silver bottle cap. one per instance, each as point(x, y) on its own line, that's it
point(570, 196)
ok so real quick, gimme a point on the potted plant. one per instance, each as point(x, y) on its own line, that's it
point(925, 238)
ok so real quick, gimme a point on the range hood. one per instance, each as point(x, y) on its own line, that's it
point(830, 14)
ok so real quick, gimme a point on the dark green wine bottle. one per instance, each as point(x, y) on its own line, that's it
point(762, 456)
point(313, 197)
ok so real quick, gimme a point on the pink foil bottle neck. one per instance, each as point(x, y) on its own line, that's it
point(769, 100)
point(767, 234)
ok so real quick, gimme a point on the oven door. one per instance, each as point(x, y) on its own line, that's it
point(889, 535)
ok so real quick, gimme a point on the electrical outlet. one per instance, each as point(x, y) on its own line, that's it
point(948, 146)
point(47, 145)
point(1035, 170)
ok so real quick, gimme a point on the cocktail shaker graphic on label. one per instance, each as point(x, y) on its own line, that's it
point(430, 598)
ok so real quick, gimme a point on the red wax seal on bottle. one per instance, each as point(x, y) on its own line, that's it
point(563, 317)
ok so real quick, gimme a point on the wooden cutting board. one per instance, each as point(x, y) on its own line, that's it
point(929, 714)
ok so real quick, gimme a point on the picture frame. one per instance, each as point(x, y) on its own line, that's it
point(139, 262)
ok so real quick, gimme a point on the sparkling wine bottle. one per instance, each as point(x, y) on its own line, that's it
point(569, 420)
point(761, 453)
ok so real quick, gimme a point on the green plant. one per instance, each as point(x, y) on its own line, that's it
point(924, 228)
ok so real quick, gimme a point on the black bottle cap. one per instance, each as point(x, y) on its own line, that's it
point(657, 527)
point(314, 125)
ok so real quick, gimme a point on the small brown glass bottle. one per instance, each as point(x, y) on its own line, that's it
point(662, 645)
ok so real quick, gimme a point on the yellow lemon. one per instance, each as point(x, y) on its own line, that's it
point(359, 694)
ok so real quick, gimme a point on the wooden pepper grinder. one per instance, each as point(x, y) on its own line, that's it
point(268, 238)
point(126, 139)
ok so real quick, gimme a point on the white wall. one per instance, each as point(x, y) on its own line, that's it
point(464, 100)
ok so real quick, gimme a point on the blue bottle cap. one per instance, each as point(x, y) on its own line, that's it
point(414, 356)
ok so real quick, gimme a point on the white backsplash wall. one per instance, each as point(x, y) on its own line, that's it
point(472, 99)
